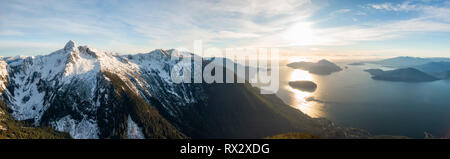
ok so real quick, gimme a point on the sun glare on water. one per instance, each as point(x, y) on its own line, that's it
point(299, 97)
point(300, 75)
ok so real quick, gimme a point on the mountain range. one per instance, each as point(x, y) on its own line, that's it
point(404, 75)
point(411, 69)
point(440, 70)
point(88, 93)
point(407, 61)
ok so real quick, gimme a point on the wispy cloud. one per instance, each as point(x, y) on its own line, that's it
point(430, 18)
point(254, 7)
point(341, 11)
point(405, 6)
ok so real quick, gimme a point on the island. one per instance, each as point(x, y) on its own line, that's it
point(323, 67)
point(401, 75)
point(308, 86)
point(356, 64)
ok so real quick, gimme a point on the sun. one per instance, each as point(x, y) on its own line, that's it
point(299, 34)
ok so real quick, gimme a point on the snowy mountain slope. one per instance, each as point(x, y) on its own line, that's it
point(71, 82)
point(153, 81)
point(3, 75)
point(35, 82)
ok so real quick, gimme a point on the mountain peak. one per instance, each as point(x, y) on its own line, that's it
point(70, 46)
point(324, 61)
point(74, 50)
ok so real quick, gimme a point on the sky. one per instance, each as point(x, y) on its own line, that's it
point(341, 28)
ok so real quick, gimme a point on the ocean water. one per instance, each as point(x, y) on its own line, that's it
point(351, 98)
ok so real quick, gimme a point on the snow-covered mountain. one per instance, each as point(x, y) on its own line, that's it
point(73, 78)
point(93, 94)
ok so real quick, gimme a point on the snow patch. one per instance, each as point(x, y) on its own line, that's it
point(82, 62)
point(84, 129)
point(28, 103)
point(133, 130)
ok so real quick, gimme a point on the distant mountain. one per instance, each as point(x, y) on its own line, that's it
point(413, 69)
point(445, 75)
point(434, 67)
point(323, 67)
point(437, 69)
point(308, 86)
point(404, 75)
point(93, 94)
point(406, 61)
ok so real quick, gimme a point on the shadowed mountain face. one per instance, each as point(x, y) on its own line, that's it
point(240, 111)
point(403, 75)
point(323, 67)
point(93, 94)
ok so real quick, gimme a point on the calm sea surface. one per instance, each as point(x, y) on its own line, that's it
point(351, 98)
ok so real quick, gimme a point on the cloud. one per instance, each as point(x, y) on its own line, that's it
point(236, 35)
point(438, 12)
point(405, 6)
point(226, 22)
point(10, 33)
point(341, 11)
point(141, 25)
point(15, 44)
point(254, 7)
point(347, 35)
